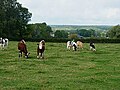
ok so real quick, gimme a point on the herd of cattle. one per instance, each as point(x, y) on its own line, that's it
point(41, 47)
point(74, 45)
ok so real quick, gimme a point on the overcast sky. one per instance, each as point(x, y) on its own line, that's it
point(75, 12)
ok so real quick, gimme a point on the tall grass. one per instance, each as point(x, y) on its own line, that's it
point(61, 69)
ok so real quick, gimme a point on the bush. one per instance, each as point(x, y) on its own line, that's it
point(60, 40)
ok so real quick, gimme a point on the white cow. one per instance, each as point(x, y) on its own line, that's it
point(69, 45)
point(3, 43)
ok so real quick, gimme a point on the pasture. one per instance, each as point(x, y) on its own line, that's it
point(61, 69)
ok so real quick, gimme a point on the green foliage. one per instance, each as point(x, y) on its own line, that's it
point(73, 36)
point(84, 30)
point(61, 34)
point(78, 27)
point(13, 19)
point(39, 30)
point(114, 32)
point(61, 69)
point(86, 33)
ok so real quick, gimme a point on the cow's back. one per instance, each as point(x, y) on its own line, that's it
point(80, 44)
point(21, 47)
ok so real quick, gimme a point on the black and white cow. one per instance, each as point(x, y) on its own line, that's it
point(3, 43)
point(74, 46)
point(71, 44)
point(92, 46)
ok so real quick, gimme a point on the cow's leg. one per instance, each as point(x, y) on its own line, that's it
point(20, 54)
point(74, 47)
point(38, 51)
point(40, 54)
point(90, 48)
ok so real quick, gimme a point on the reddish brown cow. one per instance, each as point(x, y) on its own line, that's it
point(22, 48)
point(40, 49)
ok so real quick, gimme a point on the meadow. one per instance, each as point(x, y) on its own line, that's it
point(61, 69)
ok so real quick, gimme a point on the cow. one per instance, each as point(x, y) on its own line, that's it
point(41, 49)
point(22, 49)
point(79, 44)
point(3, 43)
point(6, 42)
point(71, 44)
point(74, 46)
point(92, 46)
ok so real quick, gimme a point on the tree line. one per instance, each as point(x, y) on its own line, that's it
point(14, 20)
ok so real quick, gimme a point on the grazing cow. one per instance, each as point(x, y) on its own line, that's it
point(22, 48)
point(79, 44)
point(74, 46)
point(69, 45)
point(6, 42)
point(3, 43)
point(41, 49)
point(92, 46)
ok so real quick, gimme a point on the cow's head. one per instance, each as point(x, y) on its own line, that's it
point(27, 55)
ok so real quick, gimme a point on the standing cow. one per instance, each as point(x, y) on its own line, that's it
point(92, 46)
point(69, 45)
point(41, 49)
point(79, 44)
point(3, 43)
point(22, 49)
point(74, 46)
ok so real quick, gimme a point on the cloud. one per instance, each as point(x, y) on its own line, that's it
point(74, 11)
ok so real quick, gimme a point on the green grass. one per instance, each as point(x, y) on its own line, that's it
point(61, 69)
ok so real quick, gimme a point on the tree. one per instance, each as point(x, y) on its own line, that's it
point(14, 19)
point(61, 34)
point(92, 33)
point(40, 30)
point(73, 36)
point(84, 33)
point(114, 32)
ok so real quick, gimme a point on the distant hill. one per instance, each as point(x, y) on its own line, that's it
point(78, 27)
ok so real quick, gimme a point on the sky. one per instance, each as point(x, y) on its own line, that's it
point(74, 12)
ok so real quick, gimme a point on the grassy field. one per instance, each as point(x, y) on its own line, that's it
point(61, 69)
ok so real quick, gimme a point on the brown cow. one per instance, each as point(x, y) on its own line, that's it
point(79, 44)
point(40, 49)
point(22, 48)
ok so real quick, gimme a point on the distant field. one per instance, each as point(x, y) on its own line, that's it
point(78, 27)
point(61, 69)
